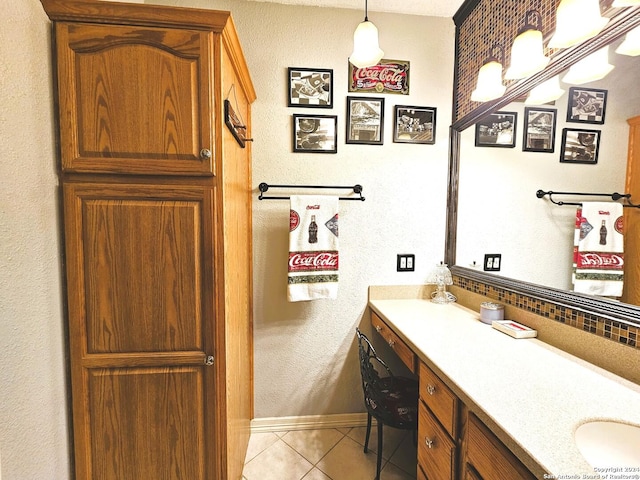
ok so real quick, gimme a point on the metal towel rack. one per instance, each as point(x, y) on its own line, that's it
point(264, 187)
point(615, 196)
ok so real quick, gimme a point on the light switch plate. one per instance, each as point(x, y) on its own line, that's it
point(406, 262)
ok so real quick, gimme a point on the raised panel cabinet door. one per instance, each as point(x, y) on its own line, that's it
point(140, 281)
point(135, 99)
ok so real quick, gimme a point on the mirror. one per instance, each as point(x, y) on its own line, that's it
point(491, 190)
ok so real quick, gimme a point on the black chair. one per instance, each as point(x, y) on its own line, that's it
point(391, 400)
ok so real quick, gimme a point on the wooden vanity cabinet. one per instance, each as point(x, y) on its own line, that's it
point(453, 443)
point(157, 236)
point(397, 345)
point(487, 458)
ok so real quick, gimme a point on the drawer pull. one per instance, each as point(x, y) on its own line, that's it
point(391, 342)
point(431, 389)
point(429, 442)
point(378, 328)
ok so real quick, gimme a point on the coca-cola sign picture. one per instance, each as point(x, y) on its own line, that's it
point(388, 76)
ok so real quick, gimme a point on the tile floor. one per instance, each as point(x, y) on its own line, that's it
point(329, 454)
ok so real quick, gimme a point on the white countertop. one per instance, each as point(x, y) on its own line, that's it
point(532, 395)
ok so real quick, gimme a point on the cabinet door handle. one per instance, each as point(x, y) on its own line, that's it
point(208, 361)
point(391, 342)
point(428, 442)
point(431, 389)
point(378, 328)
point(205, 154)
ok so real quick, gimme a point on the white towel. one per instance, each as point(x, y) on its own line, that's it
point(598, 249)
point(313, 247)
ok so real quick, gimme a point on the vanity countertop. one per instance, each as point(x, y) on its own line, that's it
point(532, 395)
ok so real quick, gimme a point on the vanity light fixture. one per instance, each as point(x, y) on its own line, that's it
point(489, 85)
point(366, 49)
point(441, 277)
point(546, 92)
point(527, 51)
point(577, 21)
point(625, 3)
point(589, 69)
point(631, 44)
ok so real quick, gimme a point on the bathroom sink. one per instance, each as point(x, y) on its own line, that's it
point(609, 444)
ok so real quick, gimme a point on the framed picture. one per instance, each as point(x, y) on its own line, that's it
point(586, 105)
point(310, 87)
point(497, 130)
point(539, 129)
point(315, 133)
point(388, 76)
point(414, 124)
point(365, 120)
point(580, 146)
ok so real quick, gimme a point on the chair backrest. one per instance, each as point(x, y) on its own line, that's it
point(368, 362)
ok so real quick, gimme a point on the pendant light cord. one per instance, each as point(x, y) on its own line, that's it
point(366, 11)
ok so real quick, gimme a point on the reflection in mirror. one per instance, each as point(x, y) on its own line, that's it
point(498, 211)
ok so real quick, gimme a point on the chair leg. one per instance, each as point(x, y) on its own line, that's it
point(366, 438)
point(380, 425)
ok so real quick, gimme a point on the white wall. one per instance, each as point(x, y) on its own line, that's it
point(305, 362)
point(33, 420)
point(498, 187)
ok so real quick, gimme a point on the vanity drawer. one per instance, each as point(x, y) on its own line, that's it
point(436, 451)
point(489, 457)
point(398, 346)
point(439, 398)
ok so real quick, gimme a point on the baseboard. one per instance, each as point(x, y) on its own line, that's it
point(308, 422)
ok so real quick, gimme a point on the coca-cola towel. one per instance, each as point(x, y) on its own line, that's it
point(598, 252)
point(313, 247)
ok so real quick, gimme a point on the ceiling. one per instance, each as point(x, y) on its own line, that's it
point(435, 8)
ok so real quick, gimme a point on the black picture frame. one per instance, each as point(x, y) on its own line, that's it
point(315, 133)
point(414, 124)
point(539, 129)
point(365, 120)
point(497, 129)
point(586, 105)
point(580, 146)
point(310, 87)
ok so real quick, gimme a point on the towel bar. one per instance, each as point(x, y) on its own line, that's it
point(263, 187)
point(615, 196)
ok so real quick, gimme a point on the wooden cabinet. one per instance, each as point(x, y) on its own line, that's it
point(453, 443)
point(397, 345)
point(157, 239)
point(487, 458)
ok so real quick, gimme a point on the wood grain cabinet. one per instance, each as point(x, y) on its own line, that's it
point(453, 443)
point(157, 235)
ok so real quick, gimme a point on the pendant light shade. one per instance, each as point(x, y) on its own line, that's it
point(366, 49)
point(589, 69)
point(577, 21)
point(489, 85)
point(545, 92)
point(631, 44)
point(527, 52)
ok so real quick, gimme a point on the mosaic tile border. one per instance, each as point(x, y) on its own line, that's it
point(603, 327)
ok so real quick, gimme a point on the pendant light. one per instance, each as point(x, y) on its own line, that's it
point(546, 92)
point(576, 21)
point(489, 85)
point(366, 50)
point(589, 69)
point(625, 3)
point(527, 52)
point(631, 44)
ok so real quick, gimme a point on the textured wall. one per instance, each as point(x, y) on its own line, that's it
point(33, 428)
point(305, 357)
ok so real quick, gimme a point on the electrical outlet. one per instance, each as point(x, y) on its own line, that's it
point(406, 262)
point(492, 262)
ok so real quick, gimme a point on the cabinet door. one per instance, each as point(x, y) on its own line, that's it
point(135, 99)
point(141, 328)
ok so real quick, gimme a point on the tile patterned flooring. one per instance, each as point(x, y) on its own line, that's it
point(329, 454)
